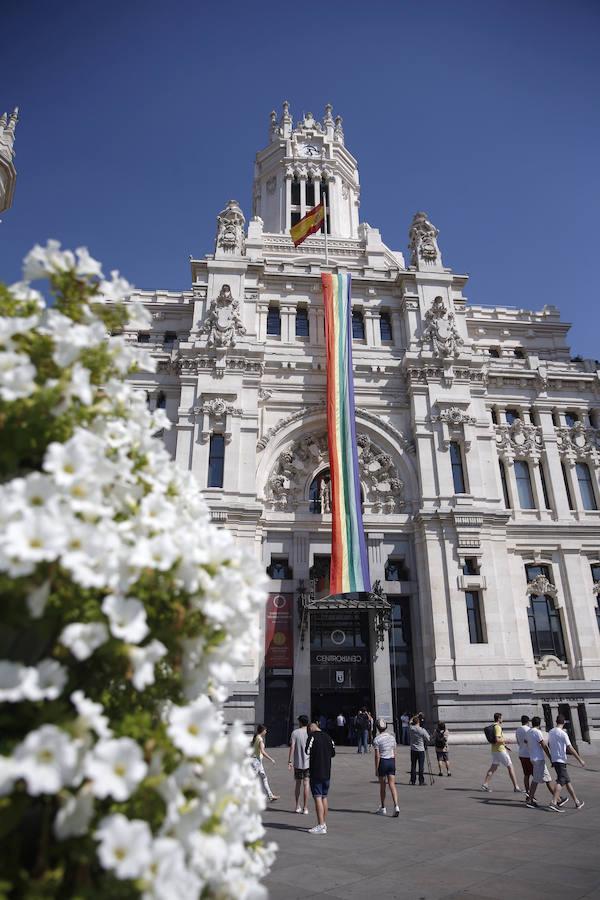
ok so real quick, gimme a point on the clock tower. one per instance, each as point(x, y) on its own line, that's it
point(300, 167)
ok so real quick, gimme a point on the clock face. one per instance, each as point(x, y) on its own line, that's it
point(310, 150)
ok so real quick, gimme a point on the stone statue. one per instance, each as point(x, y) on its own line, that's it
point(325, 495)
point(423, 240)
point(230, 230)
point(223, 323)
point(441, 331)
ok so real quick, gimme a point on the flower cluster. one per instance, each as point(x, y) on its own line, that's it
point(126, 616)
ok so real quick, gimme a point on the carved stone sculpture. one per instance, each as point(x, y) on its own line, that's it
point(223, 323)
point(440, 330)
point(519, 441)
point(230, 230)
point(540, 586)
point(578, 442)
point(423, 240)
point(325, 495)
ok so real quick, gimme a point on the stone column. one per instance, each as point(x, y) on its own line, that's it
point(382, 684)
point(397, 329)
point(302, 196)
point(288, 202)
point(580, 615)
point(312, 324)
point(556, 484)
point(320, 337)
point(300, 564)
point(369, 320)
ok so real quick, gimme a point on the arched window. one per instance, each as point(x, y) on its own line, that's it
point(586, 487)
point(545, 626)
point(319, 494)
point(358, 325)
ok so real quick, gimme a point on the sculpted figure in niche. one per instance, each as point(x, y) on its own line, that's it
point(230, 229)
point(423, 240)
point(441, 331)
point(223, 323)
point(325, 495)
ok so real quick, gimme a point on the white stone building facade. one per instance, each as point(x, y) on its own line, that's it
point(479, 442)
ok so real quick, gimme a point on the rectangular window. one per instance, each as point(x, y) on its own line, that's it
point(396, 570)
point(524, 489)
point(170, 337)
point(273, 321)
point(544, 487)
point(567, 488)
point(571, 418)
point(456, 462)
point(595, 567)
point(216, 461)
point(471, 566)
point(143, 337)
point(295, 217)
point(295, 192)
point(586, 488)
point(385, 326)
point(474, 617)
point(280, 568)
point(504, 484)
point(534, 571)
point(512, 415)
point(310, 193)
point(358, 325)
point(302, 328)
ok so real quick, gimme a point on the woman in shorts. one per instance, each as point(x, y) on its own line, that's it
point(258, 754)
point(385, 765)
point(440, 740)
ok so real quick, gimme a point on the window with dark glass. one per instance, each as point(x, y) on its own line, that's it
point(512, 415)
point(280, 569)
point(358, 325)
point(273, 321)
point(555, 418)
point(494, 352)
point(456, 461)
point(161, 400)
point(571, 418)
point(504, 484)
point(319, 493)
point(494, 415)
point(396, 570)
point(524, 489)
point(544, 486)
point(471, 566)
point(567, 486)
point(385, 326)
point(216, 461)
point(519, 354)
point(310, 193)
point(319, 576)
point(302, 328)
point(545, 627)
point(586, 487)
point(295, 217)
point(143, 337)
point(473, 600)
point(170, 337)
point(296, 191)
point(595, 567)
point(325, 198)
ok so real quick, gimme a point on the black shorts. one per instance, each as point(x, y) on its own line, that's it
point(386, 767)
point(562, 773)
point(301, 774)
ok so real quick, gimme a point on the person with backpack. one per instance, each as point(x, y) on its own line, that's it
point(440, 741)
point(500, 754)
point(320, 750)
point(362, 730)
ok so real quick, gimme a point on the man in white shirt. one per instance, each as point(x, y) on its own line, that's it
point(521, 736)
point(300, 762)
point(537, 747)
point(559, 746)
point(340, 725)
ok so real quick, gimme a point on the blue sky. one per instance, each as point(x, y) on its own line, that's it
point(139, 120)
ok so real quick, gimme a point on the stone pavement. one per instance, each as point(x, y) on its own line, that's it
point(451, 840)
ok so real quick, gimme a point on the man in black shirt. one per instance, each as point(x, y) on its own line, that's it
point(321, 750)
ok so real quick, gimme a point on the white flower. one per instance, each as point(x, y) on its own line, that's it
point(167, 876)
point(17, 374)
point(16, 681)
point(8, 775)
point(51, 679)
point(82, 638)
point(116, 768)
point(43, 261)
point(70, 337)
point(125, 845)
point(79, 385)
point(74, 817)
point(116, 290)
point(37, 598)
point(127, 618)
point(90, 714)
point(193, 728)
point(22, 290)
point(47, 760)
point(34, 538)
point(86, 266)
point(144, 660)
point(11, 325)
point(73, 460)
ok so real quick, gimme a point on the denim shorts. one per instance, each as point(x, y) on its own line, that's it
point(319, 788)
point(386, 767)
point(562, 773)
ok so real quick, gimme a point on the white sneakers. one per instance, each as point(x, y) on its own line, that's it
point(305, 812)
point(318, 829)
point(484, 787)
point(302, 812)
point(299, 809)
point(382, 811)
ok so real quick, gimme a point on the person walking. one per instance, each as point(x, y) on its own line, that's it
point(559, 746)
point(440, 742)
point(362, 730)
point(405, 722)
point(298, 758)
point(258, 754)
point(321, 750)
point(340, 725)
point(500, 757)
point(384, 745)
point(537, 747)
point(370, 734)
point(418, 736)
point(521, 735)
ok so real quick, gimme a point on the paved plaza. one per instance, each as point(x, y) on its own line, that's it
point(451, 840)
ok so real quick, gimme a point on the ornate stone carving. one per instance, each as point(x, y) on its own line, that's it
point(230, 230)
point(440, 330)
point(325, 495)
point(223, 323)
point(540, 586)
point(264, 394)
point(519, 441)
point(454, 416)
point(578, 442)
point(216, 411)
point(552, 667)
point(423, 241)
point(299, 460)
point(596, 588)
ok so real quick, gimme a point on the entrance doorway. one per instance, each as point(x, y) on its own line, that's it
point(340, 668)
point(401, 660)
point(278, 708)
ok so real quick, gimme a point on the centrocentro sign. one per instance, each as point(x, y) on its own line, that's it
point(335, 659)
point(279, 632)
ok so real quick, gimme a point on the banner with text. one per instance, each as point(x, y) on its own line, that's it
point(279, 631)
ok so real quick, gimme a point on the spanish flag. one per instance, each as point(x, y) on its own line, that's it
point(311, 223)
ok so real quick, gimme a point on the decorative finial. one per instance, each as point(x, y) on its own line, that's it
point(3, 120)
point(12, 122)
point(328, 117)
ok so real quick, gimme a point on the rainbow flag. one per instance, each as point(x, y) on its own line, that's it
point(349, 563)
point(311, 223)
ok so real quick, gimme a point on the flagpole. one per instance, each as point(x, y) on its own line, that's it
point(325, 224)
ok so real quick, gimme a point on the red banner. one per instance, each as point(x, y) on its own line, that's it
point(279, 632)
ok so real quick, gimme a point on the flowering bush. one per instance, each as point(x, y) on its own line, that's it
point(124, 614)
